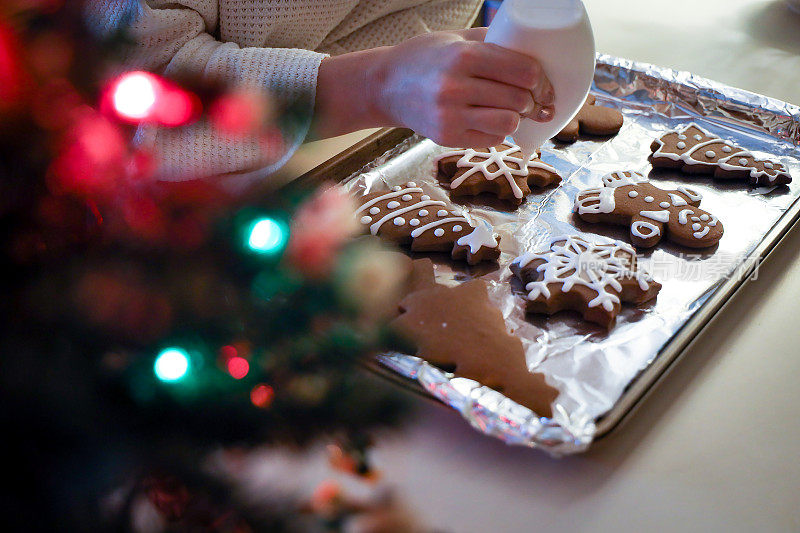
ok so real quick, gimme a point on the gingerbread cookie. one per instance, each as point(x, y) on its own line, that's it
point(581, 275)
point(628, 199)
point(407, 215)
point(695, 151)
point(500, 170)
point(460, 327)
point(591, 120)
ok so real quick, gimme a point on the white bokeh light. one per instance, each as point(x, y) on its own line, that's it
point(135, 95)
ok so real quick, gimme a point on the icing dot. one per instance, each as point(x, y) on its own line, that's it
point(457, 228)
point(441, 213)
point(648, 198)
point(374, 211)
point(425, 197)
point(438, 232)
point(768, 165)
point(742, 161)
point(681, 145)
point(664, 205)
point(411, 184)
point(399, 221)
point(423, 213)
point(406, 197)
point(366, 220)
point(727, 149)
point(414, 222)
point(696, 226)
point(396, 188)
point(393, 205)
point(633, 194)
point(698, 137)
point(682, 137)
point(710, 153)
point(704, 217)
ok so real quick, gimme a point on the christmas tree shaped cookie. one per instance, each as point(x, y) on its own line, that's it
point(652, 213)
point(695, 151)
point(581, 275)
point(500, 170)
point(406, 215)
point(459, 327)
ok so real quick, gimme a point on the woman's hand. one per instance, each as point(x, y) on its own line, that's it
point(449, 86)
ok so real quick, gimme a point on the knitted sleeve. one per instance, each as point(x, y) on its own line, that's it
point(176, 38)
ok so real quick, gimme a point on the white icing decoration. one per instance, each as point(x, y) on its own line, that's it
point(366, 220)
point(676, 200)
point(768, 165)
point(633, 194)
point(425, 197)
point(639, 225)
point(648, 199)
point(618, 179)
point(595, 201)
point(659, 216)
point(374, 211)
point(441, 213)
point(396, 188)
point(693, 195)
point(435, 224)
point(480, 237)
point(572, 261)
point(704, 218)
point(710, 154)
point(682, 216)
point(743, 161)
point(701, 234)
point(457, 228)
point(392, 214)
point(664, 205)
point(713, 221)
point(393, 194)
point(681, 145)
point(406, 197)
point(438, 232)
point(393, 205)
point(698, 137)
point(727, 149)
point(696, 226)
point(414, 222)
point(411, 184)
point(399, 221)
point(423, 213)
point(682, 137)
point(499, 158)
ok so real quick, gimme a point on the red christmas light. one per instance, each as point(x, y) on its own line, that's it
point(142, 97)
point(238, 367)
point(262, 395)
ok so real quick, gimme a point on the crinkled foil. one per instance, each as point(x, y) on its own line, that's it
point(592, 367)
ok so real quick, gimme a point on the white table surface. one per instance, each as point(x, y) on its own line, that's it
point(715, 447)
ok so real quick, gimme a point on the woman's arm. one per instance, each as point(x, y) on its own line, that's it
point(449, 86)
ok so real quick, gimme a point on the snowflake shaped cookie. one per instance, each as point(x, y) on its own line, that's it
point(582, 275)
point(406, 215)
point(652, 213)
point(500, 170)
point(695, 151)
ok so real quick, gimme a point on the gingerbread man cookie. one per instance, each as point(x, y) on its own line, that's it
point(407, 215)
point(695, 151)
point(581, 275)
point(500, 170)
point(652, 213)
point(460, 327)
point(592, 119)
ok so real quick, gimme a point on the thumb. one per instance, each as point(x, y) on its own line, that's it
point(472, 34)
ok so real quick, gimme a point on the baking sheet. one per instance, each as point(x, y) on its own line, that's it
point(592, 367)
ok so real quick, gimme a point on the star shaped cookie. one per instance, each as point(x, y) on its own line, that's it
point(581, 275)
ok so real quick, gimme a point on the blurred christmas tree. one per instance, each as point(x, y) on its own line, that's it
point(145, 323)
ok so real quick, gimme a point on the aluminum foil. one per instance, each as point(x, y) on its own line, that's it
point(590, 366)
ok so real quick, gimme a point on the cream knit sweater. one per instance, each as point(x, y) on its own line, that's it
point(277, 44)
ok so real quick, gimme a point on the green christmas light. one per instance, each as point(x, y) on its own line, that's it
point(267, 236)
point(171, 364)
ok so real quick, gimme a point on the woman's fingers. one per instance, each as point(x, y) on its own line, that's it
point(497, 122)
point(487, 93)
